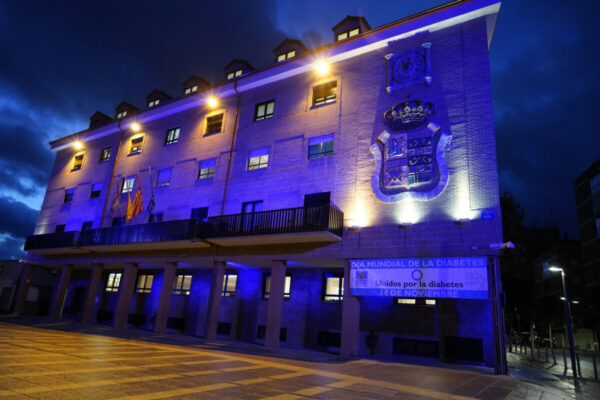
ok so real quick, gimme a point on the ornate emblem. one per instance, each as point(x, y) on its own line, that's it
point(408, 68)
point(411, 163)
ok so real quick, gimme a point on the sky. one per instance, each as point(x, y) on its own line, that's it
point(61, 61)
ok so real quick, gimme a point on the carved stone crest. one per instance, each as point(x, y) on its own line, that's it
point(408, 68)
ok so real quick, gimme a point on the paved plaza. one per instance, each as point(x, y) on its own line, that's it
point(41, 363)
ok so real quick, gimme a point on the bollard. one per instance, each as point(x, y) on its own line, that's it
point(578, 364)
point(595, 367)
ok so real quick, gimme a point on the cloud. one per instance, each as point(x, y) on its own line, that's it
point(18, 220)
point(11, 248)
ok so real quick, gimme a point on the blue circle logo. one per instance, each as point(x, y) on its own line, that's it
point(417, 275)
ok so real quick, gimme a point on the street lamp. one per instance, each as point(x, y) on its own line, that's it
point(569, 325)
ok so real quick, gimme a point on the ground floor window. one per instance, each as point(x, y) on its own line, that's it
point(182, 284)
point(267, 286)
point(333, 287)
point(229, 284)
point(113, 282)
point(145, 283)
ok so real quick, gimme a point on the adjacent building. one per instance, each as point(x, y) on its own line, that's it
point(339, 194)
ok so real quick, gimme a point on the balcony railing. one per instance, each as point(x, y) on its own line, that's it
point(181, 230)
point(324, 218)
point(51, 241)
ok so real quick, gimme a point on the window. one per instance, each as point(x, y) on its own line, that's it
point(234, 74)
point(418, 302)
point(286, 56)
point(77, 162)
point(324, 94)
point(214, 124)
point(333, 287)
point(182, 285)
point(267, 286)
point(127, 185)
point(156, 217)
point(191, 89)
point(264, 110)
point(136, 145)
point(348, 34)
point(320, 146)
point(86, 225)
point(144, 284)
point(69, 195)
point(595, 184)
point(105, 154)
point(122, 114)
point(252, 206)
point(199, 213)
point(59, 228)
point(207, 168)
point(258, 158)
point(172, 136)
point(113, 282)
point(164, 177)
point(153, 103)
point(229, 284)
point(96, 190)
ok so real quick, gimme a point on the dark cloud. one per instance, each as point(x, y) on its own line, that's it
point(18, 219)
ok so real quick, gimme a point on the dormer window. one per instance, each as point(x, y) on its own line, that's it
point(122, 114)
point(234, 74)
point(192, 89)
point(153, 103)
point(348, 34)
point(286, 56)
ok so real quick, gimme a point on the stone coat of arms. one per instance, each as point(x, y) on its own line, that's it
point(410, 160)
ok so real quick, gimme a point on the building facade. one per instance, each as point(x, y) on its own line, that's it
point(343, 199)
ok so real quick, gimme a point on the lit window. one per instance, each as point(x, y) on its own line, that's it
point(113, 282)
point(595, 184)
point(267, 286)
point(105, 154)
point(418, 302)
point(122, 114)
point(136, 145)
point(153, 103)
point(77, 162)
point(96, 190)
point(320, 146)
point(333, 289)
point(69, 195)
point(172, 136)
point(144, 284)
point(207, 168)
point(127, 185)
point(182, 285)
point(214, 124)
point(229, 284)
point(86, 225)
point(191, 89)
point(164, 177)
point(324, 94)
point(264, 110)
point(234, 74)
point(286, 56)
point(348, 34)
point(258, 158)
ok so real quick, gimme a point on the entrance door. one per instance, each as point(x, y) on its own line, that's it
point(250, 220)
point(316, 212)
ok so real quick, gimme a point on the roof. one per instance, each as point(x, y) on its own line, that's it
point(358, 19)
point(158, 93)
point(290, 41)
point(195, 79)
point(238, 61)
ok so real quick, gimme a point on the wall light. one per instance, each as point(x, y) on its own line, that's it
point(212, 102)
point(404, 225)
point(77, 145)
point(462, 221)
point(354, 228)
point(322, 67)
point(135, 127)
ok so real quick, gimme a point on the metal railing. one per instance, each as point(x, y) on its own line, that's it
point(288, 220)
point(51, 240)
point(186, 229)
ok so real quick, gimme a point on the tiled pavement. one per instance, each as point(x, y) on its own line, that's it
point(52, 364)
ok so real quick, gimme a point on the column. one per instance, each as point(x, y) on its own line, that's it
point(350, 318)
point(90, 299)
point(125, 294)
point(214, 302)
point(164, 302)
point(275, 305)
point(58, 300)
point(21, 297)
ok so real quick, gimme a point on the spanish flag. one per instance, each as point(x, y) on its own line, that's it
point(129, 212)
point(137, 203)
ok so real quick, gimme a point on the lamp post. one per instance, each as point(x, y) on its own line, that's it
point(569, 324)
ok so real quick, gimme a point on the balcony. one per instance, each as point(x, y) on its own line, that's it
point(181, 234)
point(291, 225)
point(53, 243)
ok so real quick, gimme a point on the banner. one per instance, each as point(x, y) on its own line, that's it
point(447, 277)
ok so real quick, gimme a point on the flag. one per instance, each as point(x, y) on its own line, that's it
point(129, 212)
point(116, 202)
point(137, 202)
